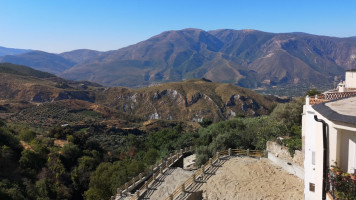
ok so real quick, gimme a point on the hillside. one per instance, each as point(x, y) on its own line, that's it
point(191, 100)
point(38, 97)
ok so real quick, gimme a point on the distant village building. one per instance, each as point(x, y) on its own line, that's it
point(329, 138)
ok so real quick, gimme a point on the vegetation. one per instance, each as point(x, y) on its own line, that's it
point(71, 163)
point(312, 92)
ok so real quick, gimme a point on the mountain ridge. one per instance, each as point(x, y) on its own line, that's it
point(248, 58)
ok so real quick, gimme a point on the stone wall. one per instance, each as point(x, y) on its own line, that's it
point(282, 152)
point(280, 156)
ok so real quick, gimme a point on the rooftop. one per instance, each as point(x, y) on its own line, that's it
point(344, 106)
point(340, 110)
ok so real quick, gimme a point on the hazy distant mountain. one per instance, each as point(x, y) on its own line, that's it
point(248, 58)
point(10, 51)
point(80, 55)
point(40, 60)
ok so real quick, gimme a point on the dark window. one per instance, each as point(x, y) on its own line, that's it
point(312, 187)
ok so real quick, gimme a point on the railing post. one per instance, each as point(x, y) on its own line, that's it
point(119, 192)
point(248, 152)
point(177, 154)
point(265, 153)
point(154, 177)
point(126, 186)
point(181, 152)
point(203, 170)
point(140, 176)
point(183, 188)
point(146, 185)
point(112, 198)
point(134, 182)
point(160, 170)
point(194, 177)
point(171, 197)
point(229, 151)
point(210, 162)
point(218, 156)
point(138, 194)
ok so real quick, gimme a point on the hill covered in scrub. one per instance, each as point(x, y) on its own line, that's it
point(36, 97)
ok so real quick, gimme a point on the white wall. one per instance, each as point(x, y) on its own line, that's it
point(350, 79)
point(308, 131)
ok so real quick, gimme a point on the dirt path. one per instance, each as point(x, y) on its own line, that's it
point(249, 178)
point(174, 177)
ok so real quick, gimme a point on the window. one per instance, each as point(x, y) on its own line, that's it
point(312, 187)
point(313, 157)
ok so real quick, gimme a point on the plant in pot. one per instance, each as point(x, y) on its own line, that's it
point(353, 176)
point(345, 176)
point(336, 169)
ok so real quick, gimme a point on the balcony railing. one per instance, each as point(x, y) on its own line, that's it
point(341, 186)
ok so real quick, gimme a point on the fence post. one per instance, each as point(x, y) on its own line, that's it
point(171, 197)
point(194, 177)
point(138, 194)
point(126, 187)
point(181, 152)
point(248, 152)
point(218, 156)
point(229, 151)
point(210, 162)
point(140, 176)
point(177, 154)
point(119, 192)
point(183, 188)
point(146, 185)
point(153, 177)
point(203, 170)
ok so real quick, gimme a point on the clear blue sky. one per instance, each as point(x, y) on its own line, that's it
point(63, 25)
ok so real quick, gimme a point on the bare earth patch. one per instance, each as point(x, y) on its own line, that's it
point(249, 178)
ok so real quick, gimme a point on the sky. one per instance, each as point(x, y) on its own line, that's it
point(63, 25)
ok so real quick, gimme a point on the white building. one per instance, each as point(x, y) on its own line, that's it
point(332, 121)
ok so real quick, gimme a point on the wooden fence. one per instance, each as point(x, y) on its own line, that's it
point(154, 171)
point(209, 164)
point(164, 164)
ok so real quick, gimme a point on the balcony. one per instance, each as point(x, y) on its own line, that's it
point(341, 185)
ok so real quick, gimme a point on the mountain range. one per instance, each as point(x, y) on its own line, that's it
point(247, 58)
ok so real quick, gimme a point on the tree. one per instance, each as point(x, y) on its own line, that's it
point(27, 134)
point(312, 92)
point(70, 154)
point(205, 122)
point(31, 161)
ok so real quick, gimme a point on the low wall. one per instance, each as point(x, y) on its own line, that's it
point(283, 153)
point(291, 168)
point(281, 157)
